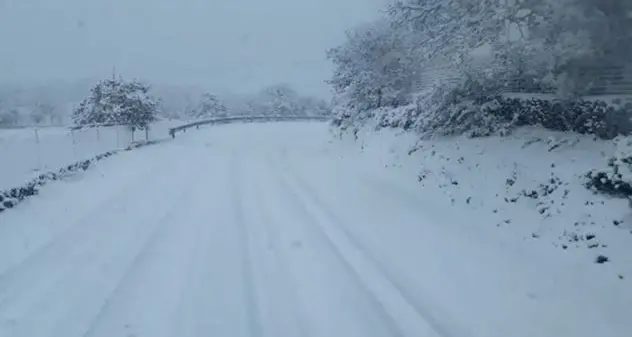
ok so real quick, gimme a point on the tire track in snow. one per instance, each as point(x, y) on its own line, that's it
point(189, 312)
point(410, 317)
point(41, 273)
point(39, 308)
point(148, 301)
point(59, 240)
point(61, 291)
point(397, 200)
point(279, 276)
point(202, 292)
point(300, 203)
point(168, 217)
point(252, 307)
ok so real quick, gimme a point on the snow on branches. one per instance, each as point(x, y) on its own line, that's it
point(485, 47)
point(117, 102)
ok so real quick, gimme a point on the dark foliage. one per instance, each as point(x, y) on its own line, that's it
point(10, 198)
point(498, 115)
point(602, 182)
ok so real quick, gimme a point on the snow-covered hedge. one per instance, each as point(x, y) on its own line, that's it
point(11, 197)
point(497, 114)
point(444, 112)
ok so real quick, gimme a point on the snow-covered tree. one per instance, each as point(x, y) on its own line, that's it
point(209, 107)
point(42, 112)
point(49, 112)
point(100, 106)
point(312, 106)
point(537, 43)
point(117, 102)
point(137, 108)
point(8, 118)
point(450, 28)
point(377, 66)
point(37, 116)
point(277, 100)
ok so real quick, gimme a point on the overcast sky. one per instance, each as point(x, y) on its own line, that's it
point(223, 45)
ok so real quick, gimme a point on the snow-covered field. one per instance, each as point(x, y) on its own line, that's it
point(27, 152)
point(281, 230)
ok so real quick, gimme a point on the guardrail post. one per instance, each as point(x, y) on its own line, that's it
point(38, 150)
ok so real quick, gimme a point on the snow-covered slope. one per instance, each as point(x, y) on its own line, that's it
point(529, 185)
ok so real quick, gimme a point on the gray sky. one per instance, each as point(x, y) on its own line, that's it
point(223, 45)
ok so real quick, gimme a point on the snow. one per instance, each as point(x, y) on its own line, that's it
point(490, 170)
point(27, 152)
point(280, 229)
point(621, 169)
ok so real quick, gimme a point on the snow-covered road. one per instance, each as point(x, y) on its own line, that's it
point(273, 230)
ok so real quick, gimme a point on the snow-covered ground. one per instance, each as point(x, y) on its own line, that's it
point(530, 185)
point(281, 230)
point(27, 152)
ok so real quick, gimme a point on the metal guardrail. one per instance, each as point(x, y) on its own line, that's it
point(243, 119)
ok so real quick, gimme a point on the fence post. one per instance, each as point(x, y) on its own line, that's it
point(38, 151)
point(118, 142)
point(74, 148)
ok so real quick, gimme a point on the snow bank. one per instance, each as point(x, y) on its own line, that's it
point(529, 185)
point(12, 197)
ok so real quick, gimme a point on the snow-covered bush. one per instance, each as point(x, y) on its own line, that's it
point(449, 112)
point(616, 180)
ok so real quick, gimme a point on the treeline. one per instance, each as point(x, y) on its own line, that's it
point(121, 102)
point(278, 100)
point(37, 114)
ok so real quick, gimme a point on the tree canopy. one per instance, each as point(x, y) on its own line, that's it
point(119, 102)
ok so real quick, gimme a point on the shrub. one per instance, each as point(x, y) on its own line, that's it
point(11, 197)
point(616, 179)
point(450, 112)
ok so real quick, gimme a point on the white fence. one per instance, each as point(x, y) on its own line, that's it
point(607, 80)
point(27, 152)
point(598, 80)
